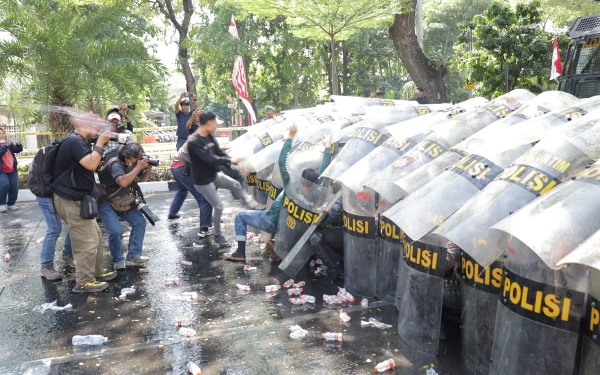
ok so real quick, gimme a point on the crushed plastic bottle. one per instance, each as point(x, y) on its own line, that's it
point(189, 296)
point(295, 291)
point(248, 267)
point(171, 281)
point(245, 288)
point(179, 233)
point(7, 257)
point(332, 300)
point(126, 292)
point(193, 368)
point(300, 284)
point(344, 316)
point(186, 262)
point(430, 371)
point(288, 283)
point(388, 364)
point(364, 303)
point(272, 288)
point(332, 336)
point(89, 340)
point(303, 299)
point(250, 235)
point(52, 306)
point(180, 322)
point(377, 324)
point(187, 332)
point(198, 245)
point(263, 246)
point(346, 296)
point(297, 332)
point(321, 271)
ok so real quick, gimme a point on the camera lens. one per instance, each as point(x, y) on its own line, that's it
point(153, 162)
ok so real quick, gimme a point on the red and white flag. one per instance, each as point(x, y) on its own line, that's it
point(233, 29)
point(241, 86)
point(556, 64)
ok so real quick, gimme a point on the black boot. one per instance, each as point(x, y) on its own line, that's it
point(239, 255)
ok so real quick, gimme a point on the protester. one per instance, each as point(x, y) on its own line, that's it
point(9, 178)
point(53, 230)
point(181, 171)
point(379, 94)
point(183, 115)
point(270, 110)
point(420, 97)
point(86, 238)
point(118, 176)
point(206, 157)
point(267, 220)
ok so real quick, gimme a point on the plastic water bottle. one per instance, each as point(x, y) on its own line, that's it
point(364, 303)
point(180, 322)
point(295, 291)
point(271, 288)
point(189, 296)
point(388, 364)
point(245, 288)
point(89, 340)
point(125, 292)
point(288, 283)
point(187, 332)
point(302, 300)
point(171, 281)
point(332, 336)
point(7, 257)
point(193, 369)
point(344, 316)
point(301, 284)
point(332, 300)
point(249, 268)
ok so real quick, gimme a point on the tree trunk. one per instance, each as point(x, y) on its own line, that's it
point(334, 71)
point(422, 72)
point(345, 74)
point(58, 117)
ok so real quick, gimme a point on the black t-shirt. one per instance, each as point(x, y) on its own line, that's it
point(109, 174)
point(80, 181)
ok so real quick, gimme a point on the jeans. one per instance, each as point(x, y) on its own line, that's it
point(110, 218)
point(210, 194)
point(257, 219)
point(9, 185)
point(185, 184)
point(54, 226)
point(180, 142)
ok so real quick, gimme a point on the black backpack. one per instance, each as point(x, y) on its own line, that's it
point(41, 180)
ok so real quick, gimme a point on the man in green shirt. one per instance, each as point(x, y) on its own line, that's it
point(266, 220)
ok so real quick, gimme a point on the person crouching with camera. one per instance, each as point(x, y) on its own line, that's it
point(119, 176)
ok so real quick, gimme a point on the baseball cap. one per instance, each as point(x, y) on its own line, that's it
point(113, 116)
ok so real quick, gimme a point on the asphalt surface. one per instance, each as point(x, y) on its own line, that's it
point(236, 332)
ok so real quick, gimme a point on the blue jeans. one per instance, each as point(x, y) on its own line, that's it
point(54, 226)
point(9, 185)
point(185, 184)
point(180, 142)
point(257, 219)
point(135, 218)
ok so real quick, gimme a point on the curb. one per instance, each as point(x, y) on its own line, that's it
point(26, 195)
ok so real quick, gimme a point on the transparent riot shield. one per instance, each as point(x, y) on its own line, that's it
point(388, 256)
point(587, 255)
point(360, 233)
point(303, 204)
point(538, 315)
point(420, 293)
point(553, 160)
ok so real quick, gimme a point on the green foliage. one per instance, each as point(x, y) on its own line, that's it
point(75, 53)
point(564, 13)
point(500, 36)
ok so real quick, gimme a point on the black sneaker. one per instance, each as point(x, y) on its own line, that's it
point(171, 217)
point(221, 241)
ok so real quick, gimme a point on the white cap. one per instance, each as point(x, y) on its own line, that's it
point(113, 116)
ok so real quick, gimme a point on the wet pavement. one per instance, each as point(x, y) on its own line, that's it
point(237, 333)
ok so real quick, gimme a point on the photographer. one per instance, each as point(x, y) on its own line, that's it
point(121, 134)
point(118, 176)
point(9, 179)
point(379, 93)
point(123, 112)
point(183, 115)
point(70, 189)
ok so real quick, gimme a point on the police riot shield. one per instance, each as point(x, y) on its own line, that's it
point(587, 255)
point(522, 124)
point(551, 161)
point(538, 315)
point(388, 256)
point(360, 230)
point(442, 138)
point(420, 292)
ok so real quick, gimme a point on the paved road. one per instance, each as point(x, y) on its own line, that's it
point(236, 333)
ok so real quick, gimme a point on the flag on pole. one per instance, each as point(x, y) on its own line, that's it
point(233, 29)
point(241, 86)
point(556, 64)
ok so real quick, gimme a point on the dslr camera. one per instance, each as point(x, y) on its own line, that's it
point(131, 106)
point(121, 138)
point(150, 216)
point(152, 162)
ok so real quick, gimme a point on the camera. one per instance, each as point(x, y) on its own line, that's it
point(119, 137)
point(131, 106)
point(150, 216)
point(152, 162)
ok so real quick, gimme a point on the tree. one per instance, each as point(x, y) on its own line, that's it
point(502, 37)
point(67, 53)
point(564, 13)
point(425, 73)
point(331, 20)
point(182, 26)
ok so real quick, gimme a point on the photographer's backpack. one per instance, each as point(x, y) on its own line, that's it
point(40, 178)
